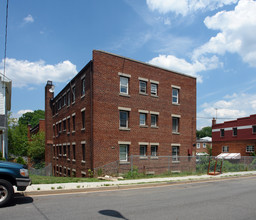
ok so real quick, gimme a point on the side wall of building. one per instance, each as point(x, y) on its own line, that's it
point(107, 103)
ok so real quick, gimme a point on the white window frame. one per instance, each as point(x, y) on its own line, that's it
point(176, 150)
point(249, 148)
point(155, 152)
point(155, 124)
point(124, 84)
point(126, 152)
point(198, 145)
point(83, 87)
point(154, 91)
point(143, 121)
point(177, 124)
point(143, 86)
point(143, 150)
point(225, 149)
point(175, 97)
point(126, 119)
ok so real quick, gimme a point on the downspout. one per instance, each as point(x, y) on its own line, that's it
point(91, 103)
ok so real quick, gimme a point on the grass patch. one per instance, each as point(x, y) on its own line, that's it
point(53, 179)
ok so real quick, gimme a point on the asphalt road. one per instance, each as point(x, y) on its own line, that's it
point(233, 199)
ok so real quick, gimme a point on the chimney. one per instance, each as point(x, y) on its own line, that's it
point(49, 95)
point(213, 121)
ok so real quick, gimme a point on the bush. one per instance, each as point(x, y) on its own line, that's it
point(21, 160)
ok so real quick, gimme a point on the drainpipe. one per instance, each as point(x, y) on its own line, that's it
point(91, 103)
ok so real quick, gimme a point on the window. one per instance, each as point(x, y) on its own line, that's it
point(68, 98)
point(254, 129)
point(175, 95)
point(64, 150)
point(143, 87)
point(74, 122)
point(64, 99)
point(74, 151)
point(123, 119)
point(225, 149)
point(250, 149)
point(60, 150)
point(143, 119)
point(68, 124)
point(222, 132)
point(153, 89)
point(59, 127)
point(175, 125)
point(154, 120)
point(123, 152)
point(59, 104)
point(124, 84)
point(64, 125)
point(234, 131)
point(204, 145)
point(83, 119)
point(154, 150)
point(198, 145)
point(68, 151)
point(83, 151)
point(53, 128)
point(143, 150)
point(73, 94)
point(175, 153)
point(83, 87)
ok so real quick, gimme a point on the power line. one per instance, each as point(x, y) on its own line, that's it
point(6, 25)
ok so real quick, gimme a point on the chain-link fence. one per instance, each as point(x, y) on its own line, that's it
point(147, 165)
point(46, 171)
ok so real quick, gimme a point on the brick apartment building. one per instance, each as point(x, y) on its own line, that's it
point(116, 107)
point(237, 136)
point(40, 127)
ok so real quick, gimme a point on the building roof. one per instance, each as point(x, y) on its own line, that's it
point(205, 139)
point(148, 64)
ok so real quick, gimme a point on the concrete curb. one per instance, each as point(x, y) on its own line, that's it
point(111, 186)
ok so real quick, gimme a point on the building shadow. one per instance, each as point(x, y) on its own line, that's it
point(112, 213)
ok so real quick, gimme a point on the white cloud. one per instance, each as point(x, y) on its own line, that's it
point(24, 73)
point(184, 7)
point(28, 19)
point(237, 33)
point(20, 113)
point(229, 107)
point(182, 66)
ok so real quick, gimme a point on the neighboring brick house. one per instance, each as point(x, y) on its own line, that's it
point(202, 143)
point(237, 136)
point(116, 107)
point(40, 127)
point(5, 106)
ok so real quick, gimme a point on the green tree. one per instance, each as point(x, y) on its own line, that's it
point(32, 118)
point(36, 147)
point(204, 132)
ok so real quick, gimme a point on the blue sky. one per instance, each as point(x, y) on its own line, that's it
point(213, 40)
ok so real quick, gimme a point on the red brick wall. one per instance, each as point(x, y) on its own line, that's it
point(234, 147)
point(106, 100)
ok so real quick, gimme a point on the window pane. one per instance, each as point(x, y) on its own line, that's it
point(175, 95)
point(123, 119)
point(123, 152)
point(142, 119)
point(153, 89)
point(175, 153)
point(175, 124)
point(124, 85)
point(154, 151)
point(143, 150)
point(153, 120)
point(143, 87)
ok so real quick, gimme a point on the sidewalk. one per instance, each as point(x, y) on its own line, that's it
point(36, 189)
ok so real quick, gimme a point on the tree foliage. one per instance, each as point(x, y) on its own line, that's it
point(204, 132)
point(32, 118)
point(36, 147)
point(18, 131)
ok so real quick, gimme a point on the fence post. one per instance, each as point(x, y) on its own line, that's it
point(131, 163)
point(169, 158)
